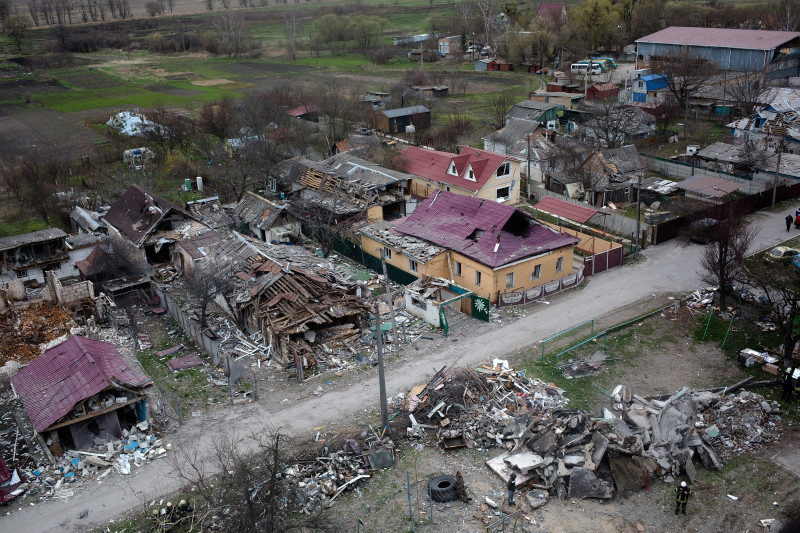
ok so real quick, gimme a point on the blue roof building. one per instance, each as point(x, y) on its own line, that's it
point(645, 89)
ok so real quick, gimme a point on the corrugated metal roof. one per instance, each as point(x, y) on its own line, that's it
point(564, 209)
point(83, 240)
point(709, 186)
point(474, 227)
point(196, 248)
point(42, 235)
point(404, 111)
point(721, 37)
point(67, 373)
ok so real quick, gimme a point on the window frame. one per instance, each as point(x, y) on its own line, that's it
point(511, 285)
point(508, 171)
point(502, 198)
point(537, 272)
point(413, 266)
point(478, 278)
point(387, 252)
point(457, 269)
point(560, 264)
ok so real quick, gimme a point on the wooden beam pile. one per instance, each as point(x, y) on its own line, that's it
point(300, 312)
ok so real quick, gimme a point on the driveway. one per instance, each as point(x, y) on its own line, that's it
point(667, 268)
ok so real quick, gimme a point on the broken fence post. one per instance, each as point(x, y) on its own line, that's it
point(255, 386)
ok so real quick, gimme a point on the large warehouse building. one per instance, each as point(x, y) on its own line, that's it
point(776, 53)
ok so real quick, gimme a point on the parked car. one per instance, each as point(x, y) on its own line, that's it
point(703, 230)
point(781, 253)
point(472, 49)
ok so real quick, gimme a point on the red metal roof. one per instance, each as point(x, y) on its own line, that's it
point(302, 110)
point(473, 227)
point(564, 209)
point(721, 37)
point(433, 165)
point(67, 373)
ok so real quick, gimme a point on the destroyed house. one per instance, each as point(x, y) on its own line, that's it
point(210, 212)
point(473, 173)
point(541, 112)
point(295, 300)
point(346, 185)
point(490, 247)
point(29, 256)
point(266, 220)
point(78, 391)
point(151, 224)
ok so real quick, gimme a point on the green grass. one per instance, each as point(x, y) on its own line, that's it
point(22, 226)
point(126, 97)
point(743, 334)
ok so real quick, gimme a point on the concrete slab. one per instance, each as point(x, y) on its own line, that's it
point(525, 461)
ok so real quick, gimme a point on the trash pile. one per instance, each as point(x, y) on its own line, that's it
point(470, 408)
point(136, 447)
point(22, 332)
point(701, 298)
point(583, 367)
point(743, 422)
point(319, 481)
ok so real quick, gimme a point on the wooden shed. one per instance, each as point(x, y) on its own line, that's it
point(602, 91)
point(396, 120)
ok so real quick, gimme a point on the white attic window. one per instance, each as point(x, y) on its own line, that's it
point(469, 175)
point(452, 168)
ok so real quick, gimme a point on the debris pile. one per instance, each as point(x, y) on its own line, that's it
point(571, 453)
point(701, 298)
point(24, 331)
point(319, 481)
point(474, 408)
point(586, 367)
point(55, 479)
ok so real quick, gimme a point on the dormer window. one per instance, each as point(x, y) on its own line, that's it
point(470, 175)
point(452, 169)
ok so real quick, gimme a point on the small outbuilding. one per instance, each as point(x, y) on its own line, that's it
point(602, 91)
point(396, 120)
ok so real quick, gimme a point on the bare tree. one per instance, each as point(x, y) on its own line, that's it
point(614, 122)
point(243, 485)
point(498, 107)
point(778, 289)
point(724, 255)
point(169, 131)
point(231, 32)
point(786, 14)
point(16, 27)
point(206, 282)
point(488, 10)
point(218, 118)
point(291, 25)
point(745, 89)
point(683, 73)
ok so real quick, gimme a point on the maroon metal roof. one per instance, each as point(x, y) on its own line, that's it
point(137, 212)
point(473, 227)
point(192, 246)
point(564, 209)
point(433, 165)
point(721, 37)
point(709, 186)
point(67, 373)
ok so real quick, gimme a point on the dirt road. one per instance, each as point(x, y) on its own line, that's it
point(667, 268)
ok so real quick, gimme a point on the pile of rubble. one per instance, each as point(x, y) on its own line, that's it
point(566, 452)
point(470, 408)
point(319, 481)
point(136, 447)
point(23, 331)
point(701, 298)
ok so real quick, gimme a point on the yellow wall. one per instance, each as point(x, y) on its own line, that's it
point(436, 266)
point(493, 281)
point(422, 187)
point(375, 213)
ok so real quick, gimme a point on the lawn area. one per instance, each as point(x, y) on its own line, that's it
point(19, 227)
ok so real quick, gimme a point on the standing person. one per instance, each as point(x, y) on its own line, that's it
point(786, 393)
point(797, 222)
point(682, 494)
point(788, 222)
point(512, 488)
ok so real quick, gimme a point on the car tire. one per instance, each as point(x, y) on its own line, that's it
point(443, 489)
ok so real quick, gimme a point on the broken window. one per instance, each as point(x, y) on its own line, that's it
point(22, 273)
point(387, 252)
point(560, 264)
point(412, 265)
point(510, 280)
point(477, 278)
point(504, 170)
point(457, 269)
point(537, 272)
point(503, 193)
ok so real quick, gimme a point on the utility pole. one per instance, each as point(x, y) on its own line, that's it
point(389, 300)
point(381, 376)
point(638, 215)
point(528, 181)
point(777, 171)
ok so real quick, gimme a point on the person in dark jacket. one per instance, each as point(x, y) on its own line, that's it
point(512, 488)
point(788, 385)
point(682, 494)
point(788, 222)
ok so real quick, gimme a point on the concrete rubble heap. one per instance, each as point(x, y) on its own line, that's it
point(563, 452)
